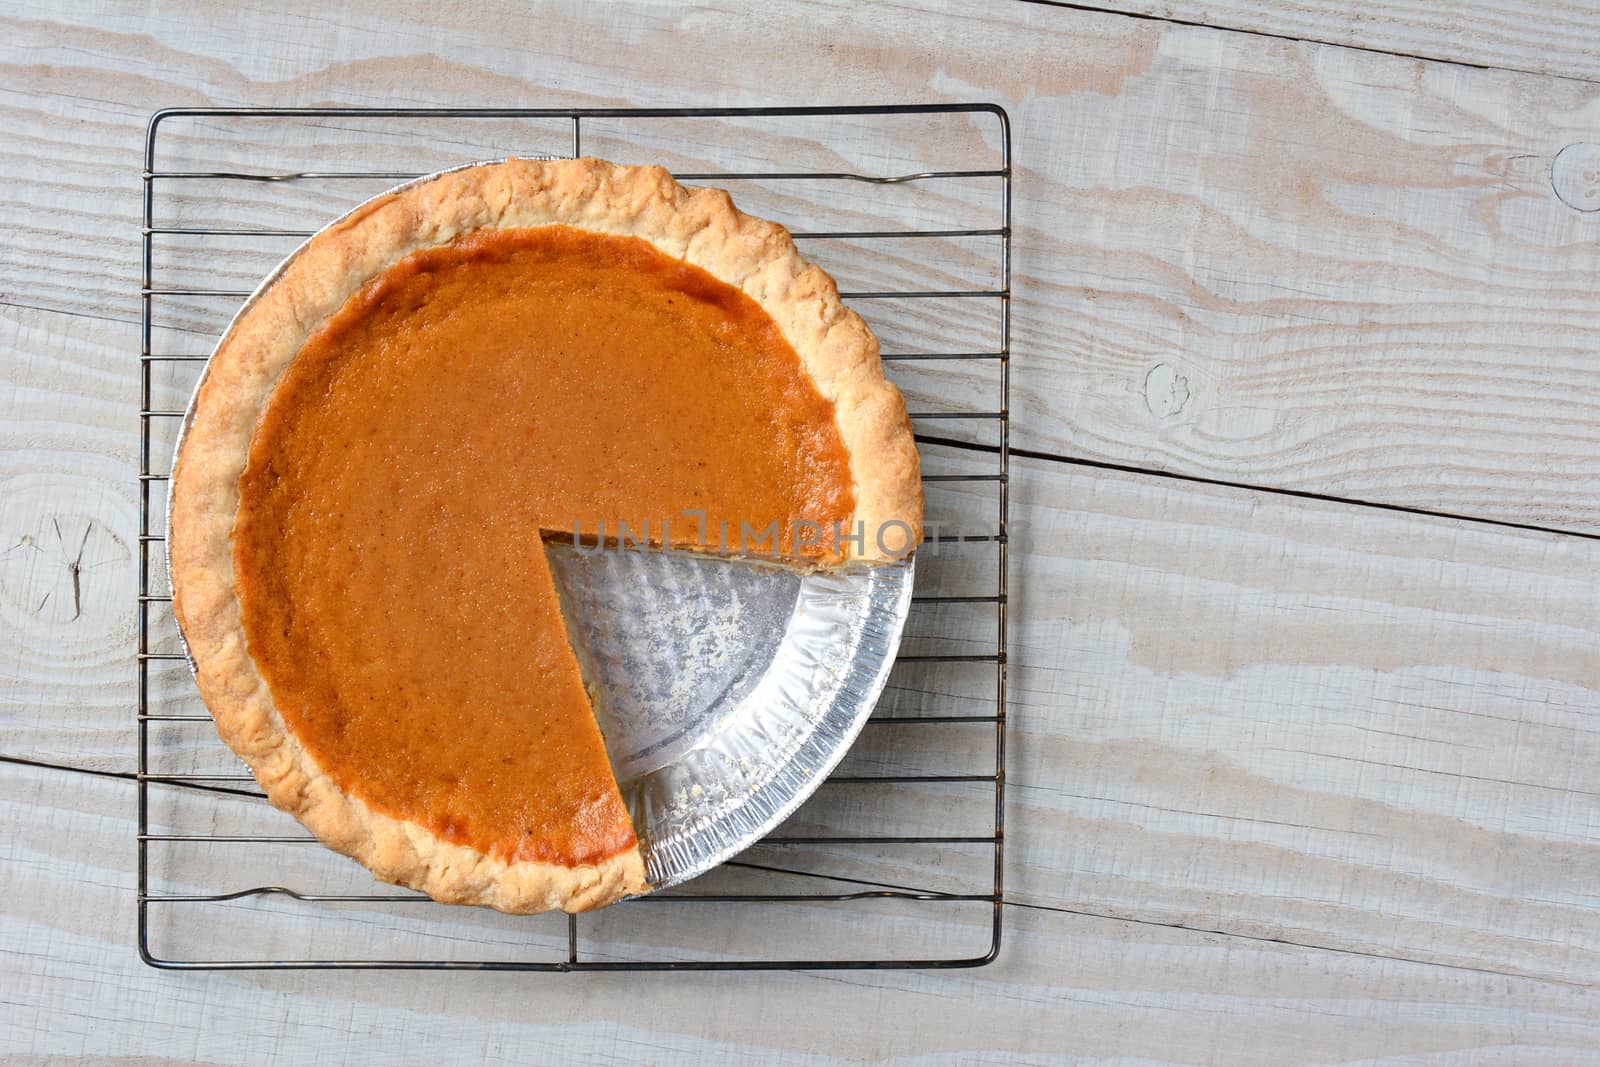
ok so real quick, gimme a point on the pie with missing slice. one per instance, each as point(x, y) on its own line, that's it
point(389, 432)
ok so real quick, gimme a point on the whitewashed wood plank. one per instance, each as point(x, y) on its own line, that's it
point(1317, 269)
point(68, 536)
point(1071, 988)
point(1380, 730)
point(1291, 265)
point(1557, 37)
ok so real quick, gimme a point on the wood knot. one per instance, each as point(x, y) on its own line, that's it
point(1575, 176)
point(1166, 392)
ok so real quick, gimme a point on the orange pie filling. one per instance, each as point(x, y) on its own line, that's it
point(388, 550)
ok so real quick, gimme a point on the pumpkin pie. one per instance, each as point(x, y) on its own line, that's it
point(430, 389)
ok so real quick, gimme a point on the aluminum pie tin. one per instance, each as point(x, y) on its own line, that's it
point(727, 689)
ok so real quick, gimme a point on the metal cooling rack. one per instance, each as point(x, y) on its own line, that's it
point(158, 709)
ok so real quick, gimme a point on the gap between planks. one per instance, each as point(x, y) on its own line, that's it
point(1277, 35)
point(1249, 487)
point(130, 776)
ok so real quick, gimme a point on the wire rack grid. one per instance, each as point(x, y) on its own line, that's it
point(204, 829)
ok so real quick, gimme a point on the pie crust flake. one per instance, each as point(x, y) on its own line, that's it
point(432, 385)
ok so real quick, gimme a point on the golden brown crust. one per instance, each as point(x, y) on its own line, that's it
point(700, 226)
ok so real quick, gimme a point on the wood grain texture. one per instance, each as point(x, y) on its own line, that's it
point(1377, 729)
point(68, 536)
point(1321, 270)
point(1544, 36)
point(1291, 781)
point(1073, 988)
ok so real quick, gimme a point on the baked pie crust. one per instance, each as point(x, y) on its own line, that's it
point(837, 361)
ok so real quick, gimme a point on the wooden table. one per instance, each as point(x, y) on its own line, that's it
point(1305, 760)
